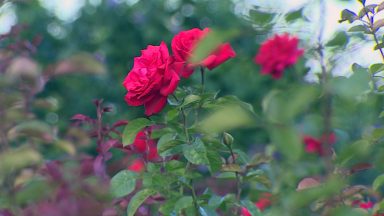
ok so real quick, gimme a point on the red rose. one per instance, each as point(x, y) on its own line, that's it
point(366, 205)
point(151, 79)
point(183, 45)
point(263, 203)
point(278, 53)
point(145, 145)
point(245, 212)
point(312, 145)
point(137, 165)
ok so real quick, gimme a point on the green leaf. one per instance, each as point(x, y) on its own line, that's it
point(359, 80)
point(348, 15)
point(214, 160)
point(123, 183)
point(380, 7)
point(157, 133)
point(196, 153)
point(379, 46)
point(132, 128)
point(14, 159)
point(354, 151)
point(138, 199)
point(226, 119)
point(251, 207)
point(260, 178)
point(367, 9)
point(362, 1)
point(190, 99)
point(33, 191)
point(374, 68)
point(360, 28)
point(209, 43)
point(378, 24)
point(261, 18)
point(233, 100)
point(32, 129)
point(378, 182)
point(207, 211)
point(283, 106)
point(166, 143)
point(340, 39)
point(294, 15)
point(168, 206)
point(172, 114)
point(287, 141)
point(183, 203)
point(227, 175)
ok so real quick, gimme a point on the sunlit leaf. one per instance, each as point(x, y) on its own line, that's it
point(133, 127)
point(123, 183)
point(138, 199)
point(196, 152)
point(378, 182)
point(294, 15)
point(348, 15)
point(210, 43)
point(226, 119)
point(340, 40)
point(34, 128)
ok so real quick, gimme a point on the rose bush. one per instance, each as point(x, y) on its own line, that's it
point(317, 148)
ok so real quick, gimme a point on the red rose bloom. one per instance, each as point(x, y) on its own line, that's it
point(183, 45)
point(151, 79)
point(366, 205)
point(137, 165)
point(245, 212)
point(278, 53)
point(145, 145)
point(312, 145)
point(263, 203)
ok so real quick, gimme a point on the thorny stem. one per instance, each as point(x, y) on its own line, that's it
point(185, 127)
point(327, 109)
point(202, 72)
point(238, 180)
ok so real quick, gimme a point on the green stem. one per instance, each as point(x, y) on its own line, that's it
point(238, 180)
point(327, 98)
point(202, 72)
point(186, 133)
point(373, 31)
point(194, 197)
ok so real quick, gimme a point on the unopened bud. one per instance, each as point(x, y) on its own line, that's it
point(227, 138)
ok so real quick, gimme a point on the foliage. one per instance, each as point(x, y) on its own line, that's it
point(316, 146)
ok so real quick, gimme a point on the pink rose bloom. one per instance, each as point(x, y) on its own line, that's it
point(184, 44)
point(151, 79)
point(278, 53)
